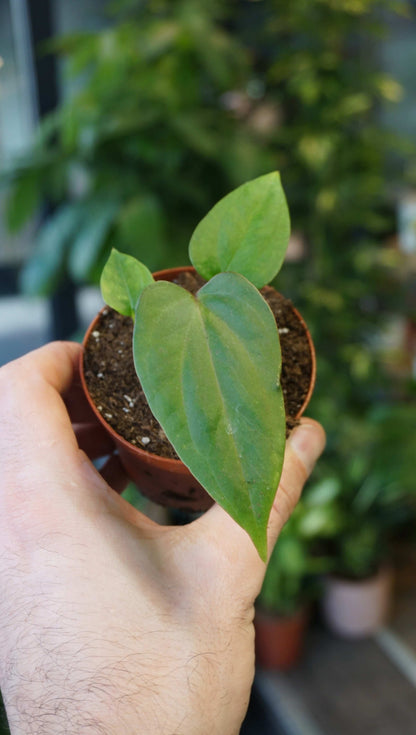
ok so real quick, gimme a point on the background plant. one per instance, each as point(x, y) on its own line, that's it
point(292, 577)
point(144, 143)
point(374, 500)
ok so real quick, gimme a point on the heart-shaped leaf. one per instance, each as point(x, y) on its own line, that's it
point(246, 232)
point(122, 281)
point(210, 367)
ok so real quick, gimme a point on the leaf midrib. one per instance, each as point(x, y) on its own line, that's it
point(238, 462)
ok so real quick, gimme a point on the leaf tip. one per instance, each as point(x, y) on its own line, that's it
point(262, 551)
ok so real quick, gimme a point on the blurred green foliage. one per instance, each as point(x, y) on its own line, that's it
point(374, 497)
point(177, 103)
point(296, 561)
point(346, 520)
point(143, 147)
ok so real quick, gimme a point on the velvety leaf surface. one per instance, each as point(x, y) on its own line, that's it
point(246, 232)
point(122, 281)
point(217, 357)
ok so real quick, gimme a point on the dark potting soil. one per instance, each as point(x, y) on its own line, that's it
point(116, 391)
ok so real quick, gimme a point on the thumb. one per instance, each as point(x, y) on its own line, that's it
point(303, 448)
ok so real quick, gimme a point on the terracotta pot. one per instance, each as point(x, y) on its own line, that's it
point(357, 608)
point(167, 481)
point(280, 639)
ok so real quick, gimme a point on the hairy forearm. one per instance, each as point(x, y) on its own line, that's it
point(98, 690)
point(58, 675)
point(44, 699)
point(77, 658)
point(106, 702)
point(82, 688)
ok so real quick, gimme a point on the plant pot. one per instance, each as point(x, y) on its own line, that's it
point(168, 481)
point(280, 638)
point(357, 608)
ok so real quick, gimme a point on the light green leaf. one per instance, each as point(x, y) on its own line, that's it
point(209, 366)
point(246, 232)
point(122, 281)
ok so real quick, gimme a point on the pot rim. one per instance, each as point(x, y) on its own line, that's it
point(167, 462)
point(384, 571)
point(301, 612)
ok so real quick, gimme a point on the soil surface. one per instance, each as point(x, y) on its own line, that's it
point(116, 391)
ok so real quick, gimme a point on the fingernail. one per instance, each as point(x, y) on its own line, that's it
point(308, 441)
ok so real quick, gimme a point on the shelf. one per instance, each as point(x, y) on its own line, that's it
point(346, 687)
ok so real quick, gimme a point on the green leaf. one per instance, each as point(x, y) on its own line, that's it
point(247, 232)
point(45, 267)
point(209, 366)
point(122, 281)
point(142, 231)
point(87, 245)
point(23, 201)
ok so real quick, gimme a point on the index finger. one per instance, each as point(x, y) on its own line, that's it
point(55, 363)
point(35, 425)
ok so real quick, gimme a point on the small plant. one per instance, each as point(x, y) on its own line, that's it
point(297, 560)
point(374, 499)
point(210, 364)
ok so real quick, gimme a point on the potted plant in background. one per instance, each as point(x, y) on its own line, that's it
point(357, 594)
point(291, 583)
point(372, 501)
point(282, 607)
point(208, 361)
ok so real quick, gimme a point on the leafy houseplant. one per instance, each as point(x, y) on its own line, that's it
point(144, 113)
point(210, 363)
point(290, 583)
point(373, 500)
point(365, 518)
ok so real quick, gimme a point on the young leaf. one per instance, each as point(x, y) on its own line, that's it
point(209, 366)
point(246, 232)
point(122, 281)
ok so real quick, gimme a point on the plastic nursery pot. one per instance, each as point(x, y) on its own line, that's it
point(357, 608)
point(168, 481)
point(279, 638)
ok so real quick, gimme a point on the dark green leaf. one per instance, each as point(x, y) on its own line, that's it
point(44, 268)
point(209, 367)
point(86, 246)
point(23, 201)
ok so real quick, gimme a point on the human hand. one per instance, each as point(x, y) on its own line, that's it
point(111, 623)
